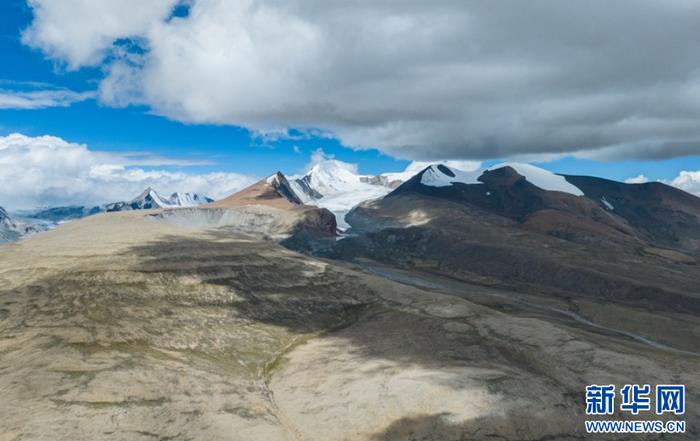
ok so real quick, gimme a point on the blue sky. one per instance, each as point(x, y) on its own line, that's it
point(210, 144)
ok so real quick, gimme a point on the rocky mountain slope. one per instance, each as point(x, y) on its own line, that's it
point(268, 208)
point(273, 191)
point(12, 230)
point(148, 199)
point(658, 213)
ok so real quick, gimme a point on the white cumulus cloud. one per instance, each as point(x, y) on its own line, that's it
point(80, 32)
point(688, 181)
point(48, 171)
point(319, 156)
point(639, 179)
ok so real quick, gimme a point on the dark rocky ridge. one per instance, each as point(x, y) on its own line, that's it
point(659, 213)
point(610, 212)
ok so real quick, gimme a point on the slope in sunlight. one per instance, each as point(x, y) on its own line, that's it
point(273, 191)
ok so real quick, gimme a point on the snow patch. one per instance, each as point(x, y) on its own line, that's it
point(541, 178)
point(273, 179)
point(607, 204)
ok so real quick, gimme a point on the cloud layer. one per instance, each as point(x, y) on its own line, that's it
point(48, 171)
point(419, 80)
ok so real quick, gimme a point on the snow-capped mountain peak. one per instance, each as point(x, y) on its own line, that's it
point(188, 199)
point(150, 198)
point(331, 177)
point(337, 186)
point(416, 167)
point(326, 178)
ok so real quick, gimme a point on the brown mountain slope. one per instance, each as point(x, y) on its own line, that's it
point(273, 191)
point(273, 199)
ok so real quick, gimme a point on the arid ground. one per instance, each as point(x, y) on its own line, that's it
point(123, 326)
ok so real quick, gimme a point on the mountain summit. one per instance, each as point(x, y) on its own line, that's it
point(331, 178)
point(337, 186)
point(274, 191)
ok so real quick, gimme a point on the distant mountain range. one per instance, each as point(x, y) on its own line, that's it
point(574, 207)
point(15, 227)
point(149, 199)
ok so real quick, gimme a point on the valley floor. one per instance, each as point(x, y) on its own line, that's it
point(120, 327)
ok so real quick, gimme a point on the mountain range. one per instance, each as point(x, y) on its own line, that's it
point(149, 199)
point(576, 207)
point(34, 221)
point(583, 240)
